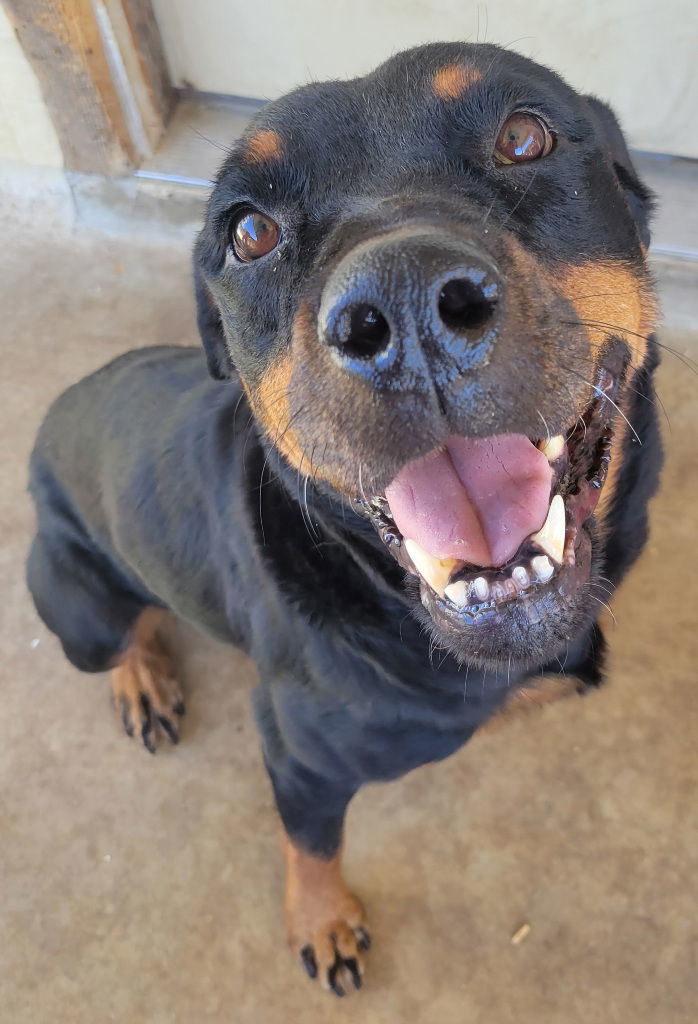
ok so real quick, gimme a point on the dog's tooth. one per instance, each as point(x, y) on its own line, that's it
point(520, 577)
point(436, 571)
point(542, 567)
point(551, 536)
point(481, 588)
point(552, 447)
point(457, 593)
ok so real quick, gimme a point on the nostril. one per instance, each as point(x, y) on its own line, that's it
point(465, 305)
point(367, 332)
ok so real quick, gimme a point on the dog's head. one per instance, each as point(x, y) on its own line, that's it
point(432, 282)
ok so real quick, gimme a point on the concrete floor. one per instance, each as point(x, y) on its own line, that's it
point(148, 890)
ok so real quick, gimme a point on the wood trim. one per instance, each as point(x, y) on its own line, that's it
point(147, 45)
point(103, 77)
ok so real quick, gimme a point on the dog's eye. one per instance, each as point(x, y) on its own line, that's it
point(253, 235)
point(523, 137)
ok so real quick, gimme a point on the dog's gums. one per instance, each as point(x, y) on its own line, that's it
point(548, 557)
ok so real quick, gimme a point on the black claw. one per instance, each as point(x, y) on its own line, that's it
point(147, 727)
point(169, 728)
point(179, 708)
point(332, 978)
point(309, 962)
point(363, 939)
point(353, 968)
point(125, 718)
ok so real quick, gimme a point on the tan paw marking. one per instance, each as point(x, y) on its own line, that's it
point(325, 923)
point(146, 693)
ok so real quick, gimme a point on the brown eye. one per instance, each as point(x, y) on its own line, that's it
point(523, 137)
point(254, 235)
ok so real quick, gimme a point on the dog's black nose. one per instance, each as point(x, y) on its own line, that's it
point(408, 298)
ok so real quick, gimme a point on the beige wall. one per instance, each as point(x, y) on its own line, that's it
point(638, 54)
point(26, 131)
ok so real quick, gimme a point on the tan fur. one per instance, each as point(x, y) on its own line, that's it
point(320, 910)
point(266, 146)
point(451, 82)
point(615, 295)
point(144, 669)
point(271, 403)
point(612, 298)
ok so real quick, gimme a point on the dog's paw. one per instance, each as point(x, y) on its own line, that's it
point(147, 695)
point(327, 932)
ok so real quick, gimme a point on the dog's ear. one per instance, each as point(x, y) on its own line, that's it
point(638, 196)
point(208, 319)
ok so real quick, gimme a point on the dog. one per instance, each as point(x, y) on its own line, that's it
point(427, 426)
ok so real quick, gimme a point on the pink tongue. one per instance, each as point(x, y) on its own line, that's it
point(476, 501)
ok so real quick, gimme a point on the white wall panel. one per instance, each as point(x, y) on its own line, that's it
point(640, 55)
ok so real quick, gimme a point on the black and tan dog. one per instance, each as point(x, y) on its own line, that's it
point(425, 303)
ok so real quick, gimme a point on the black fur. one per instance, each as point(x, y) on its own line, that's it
point(155, 485)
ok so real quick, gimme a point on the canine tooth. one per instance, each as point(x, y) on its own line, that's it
point(542, 567)
point(553, 447)
point(551, 536)
point(520, 576)
point(457, 592)
point(481, 588)
point(436, 571)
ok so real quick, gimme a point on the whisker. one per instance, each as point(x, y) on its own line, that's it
point(600, 295)
point(618, 409)
point(654, 399)
point(211, 142)
point(361, 483)
point(584, 322)
point(305, 515)
point(489, 211)
point(682, 357)
point(605, 605)
point(261, 481)
point(597, 390)
point(520, 200)
point(237, 406)
point(545, 424)
point(305, 494)
point(618, 328)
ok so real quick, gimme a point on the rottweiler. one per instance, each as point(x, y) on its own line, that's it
point(421, 458)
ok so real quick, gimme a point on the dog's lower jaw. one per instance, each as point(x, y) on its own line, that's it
point(520, 635)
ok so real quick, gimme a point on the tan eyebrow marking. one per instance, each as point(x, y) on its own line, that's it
point(451, 82)
point(265, 145)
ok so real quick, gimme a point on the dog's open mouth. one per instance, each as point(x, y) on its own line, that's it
point(487, 521)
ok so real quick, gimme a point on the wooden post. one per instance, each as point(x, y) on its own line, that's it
point(102, 72)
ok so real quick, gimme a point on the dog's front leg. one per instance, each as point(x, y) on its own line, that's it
point(325, 923)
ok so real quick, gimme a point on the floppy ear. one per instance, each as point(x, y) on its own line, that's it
point(208, 319)
point(638, 196)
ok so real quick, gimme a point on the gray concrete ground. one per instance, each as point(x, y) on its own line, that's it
point(139, 889)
